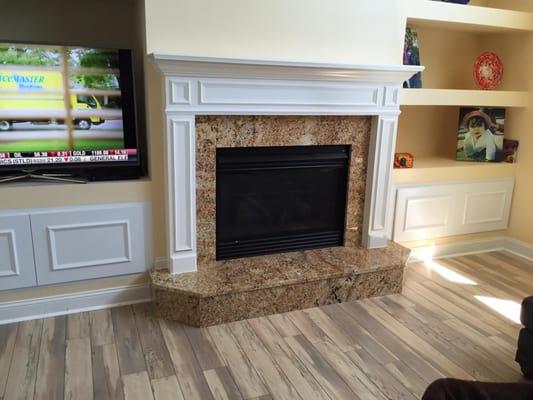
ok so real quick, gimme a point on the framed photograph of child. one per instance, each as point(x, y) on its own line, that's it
point(480, 136)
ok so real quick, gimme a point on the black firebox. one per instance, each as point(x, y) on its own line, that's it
point(279, 199)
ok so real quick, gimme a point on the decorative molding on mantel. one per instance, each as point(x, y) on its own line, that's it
point(278, 69)
point(221, 86)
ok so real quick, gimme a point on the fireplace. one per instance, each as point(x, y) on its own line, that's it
point(287, 162)
point(278, 199)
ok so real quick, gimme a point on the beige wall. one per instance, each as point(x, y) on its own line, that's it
point(346, 31)
point(518, 51)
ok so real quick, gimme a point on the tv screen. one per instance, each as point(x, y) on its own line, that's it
point(64, 106)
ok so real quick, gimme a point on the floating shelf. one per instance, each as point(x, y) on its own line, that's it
point(470, 18)
point(436, 169)
point(452, 97)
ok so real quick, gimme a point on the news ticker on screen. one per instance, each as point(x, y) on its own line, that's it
point(68, 157)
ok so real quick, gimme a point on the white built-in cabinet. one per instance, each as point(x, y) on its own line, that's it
point(47, 246)
point(429, 211)
point(16, 252)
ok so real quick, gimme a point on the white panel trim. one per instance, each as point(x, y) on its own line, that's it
point(22, 310)
point(417, 199)
point(497, 218)
point(280, 93)
point(392, 96)
point(377, 221)
point(101, 261)
point(179, 91)
point(462, 197)
point(181, 191)
point(15, 270)
point(133, 219)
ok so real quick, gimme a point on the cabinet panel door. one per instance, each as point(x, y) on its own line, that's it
point(436, 210)
point(91, 242)
point(486, 206)
point(17, 266)
point(422, 212)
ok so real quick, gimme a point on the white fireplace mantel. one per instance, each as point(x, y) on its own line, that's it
point(215, 86)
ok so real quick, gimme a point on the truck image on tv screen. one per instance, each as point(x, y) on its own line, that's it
point(57, 98)
point(37, 96)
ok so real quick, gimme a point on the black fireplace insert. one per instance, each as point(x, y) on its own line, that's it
point(280, 199)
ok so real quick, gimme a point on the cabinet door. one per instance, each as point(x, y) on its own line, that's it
point(17, 266)
point(91, 242)
point(424, 212)
point(436, 210)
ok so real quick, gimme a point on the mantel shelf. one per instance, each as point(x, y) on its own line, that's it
point(452, 97)
point(440, 169)
point(471, 18)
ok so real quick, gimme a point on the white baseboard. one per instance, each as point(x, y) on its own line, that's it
point(463, 248)
point(522, 249)
point(457, 249)
point(21, 310)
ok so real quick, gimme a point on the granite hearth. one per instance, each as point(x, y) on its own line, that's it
point(232, 290)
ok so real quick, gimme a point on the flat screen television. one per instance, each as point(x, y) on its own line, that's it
point(67, 110)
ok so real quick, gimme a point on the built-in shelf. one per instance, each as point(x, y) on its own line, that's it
point(465, 17)
point(452, 97)
point(437, 169)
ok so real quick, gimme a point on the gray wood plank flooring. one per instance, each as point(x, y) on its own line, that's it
point(390, 347)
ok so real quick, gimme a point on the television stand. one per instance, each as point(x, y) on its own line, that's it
point(26, 174)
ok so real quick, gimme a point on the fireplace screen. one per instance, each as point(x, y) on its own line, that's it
point(280, 199)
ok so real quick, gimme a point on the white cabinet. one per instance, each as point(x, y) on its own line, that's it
point(94, 242)
point(40, 247)
point(437, 210)
point(17, 268)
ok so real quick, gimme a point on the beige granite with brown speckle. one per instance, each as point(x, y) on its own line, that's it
point(252, 131)
point(249, 287)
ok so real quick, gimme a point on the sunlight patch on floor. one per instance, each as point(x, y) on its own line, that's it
point(508, 308)
point(448, 274)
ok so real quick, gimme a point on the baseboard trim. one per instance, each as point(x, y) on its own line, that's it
point(50, 306)
point(522, 249)
point(457, 249)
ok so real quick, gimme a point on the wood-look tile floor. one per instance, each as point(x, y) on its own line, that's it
point(383, 348)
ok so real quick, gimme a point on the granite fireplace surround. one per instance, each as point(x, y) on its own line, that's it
point(223, 291)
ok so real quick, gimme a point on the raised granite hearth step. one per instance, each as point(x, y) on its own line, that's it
point(251, 287)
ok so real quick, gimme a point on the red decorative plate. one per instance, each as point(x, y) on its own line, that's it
point(488, 71)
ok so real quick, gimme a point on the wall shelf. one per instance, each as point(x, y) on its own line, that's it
point(440, 169)
point(452, 97)
point(470, 18)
